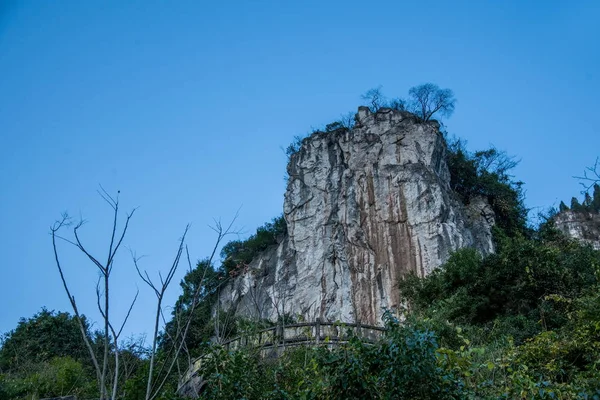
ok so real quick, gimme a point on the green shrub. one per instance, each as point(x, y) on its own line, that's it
point(60, 376)
point(486, 174)
point(238, 254)
point(511, 284)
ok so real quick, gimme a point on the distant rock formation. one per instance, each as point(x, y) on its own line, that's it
point(363, 207)
point(580, 225)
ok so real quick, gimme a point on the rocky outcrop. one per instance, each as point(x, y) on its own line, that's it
point(581, 225)
point(364, 207)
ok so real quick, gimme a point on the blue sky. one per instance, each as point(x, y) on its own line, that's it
point(184, 106)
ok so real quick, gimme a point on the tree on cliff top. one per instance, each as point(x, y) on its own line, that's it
point(428, 99)
point(375, 98)
point(424, 101)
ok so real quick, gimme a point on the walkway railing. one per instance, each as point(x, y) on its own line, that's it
point(274, 340)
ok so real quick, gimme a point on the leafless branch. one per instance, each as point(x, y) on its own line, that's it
point(591, 176)
point(159, 292)
point(221, 232)
point(128, 313)
point(55, 228)
point(105, 271)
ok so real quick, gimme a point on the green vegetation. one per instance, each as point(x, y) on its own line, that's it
point(33, 341)
point(523, 323)
point(486, 174)
point(238, 254)
point(44, 356)
point(531, 310)
point(404, 364)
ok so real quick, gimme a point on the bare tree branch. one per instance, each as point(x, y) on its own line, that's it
point(159, 292)
point(55, 228)
point(591, 176)
point(182, 335)
point(105, 271)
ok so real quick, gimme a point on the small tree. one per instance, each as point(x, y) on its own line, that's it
point(398, 104)
point(596, 201)
point(563, 207)
point(375, 98)
point(428, 99)
point(575, 206)
point(348, 120)
point(110, 334)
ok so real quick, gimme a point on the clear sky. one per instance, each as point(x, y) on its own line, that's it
point(184, 106)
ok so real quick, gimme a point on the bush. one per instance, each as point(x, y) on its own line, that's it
point(34, 340)
point(238, 254)
point(512, 283)
point(60, 376)
point(590, 203)
point(486, 174)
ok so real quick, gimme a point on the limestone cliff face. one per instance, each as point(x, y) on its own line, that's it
point(363, 207)
point(580, 225)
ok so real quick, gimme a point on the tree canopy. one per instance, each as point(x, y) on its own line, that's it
point(46, 335)
point(428, 99)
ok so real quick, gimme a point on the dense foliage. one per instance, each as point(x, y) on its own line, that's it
point(45, 356)
point(486, 174)
point(34, 341)
point(238, 254)
point(405, 364)
point(534, 306)
point(520, 324)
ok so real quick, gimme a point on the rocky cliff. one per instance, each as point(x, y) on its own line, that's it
point(363, 207)
point(580, 225)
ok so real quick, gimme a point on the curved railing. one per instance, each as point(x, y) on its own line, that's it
point(274, 340)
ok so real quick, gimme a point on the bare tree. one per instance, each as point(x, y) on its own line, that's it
point(591, 176)
point(109, 334)
point(348, 120)
point(159, 291)
point(496, 161)
point(398, 104)
point(375, 98)
point(156, 380)
point(428, 99)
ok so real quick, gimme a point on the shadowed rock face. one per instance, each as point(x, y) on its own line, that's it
point(580, 225)
point(363, 207)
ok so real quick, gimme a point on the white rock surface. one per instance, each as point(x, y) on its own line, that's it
point(580, 225)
